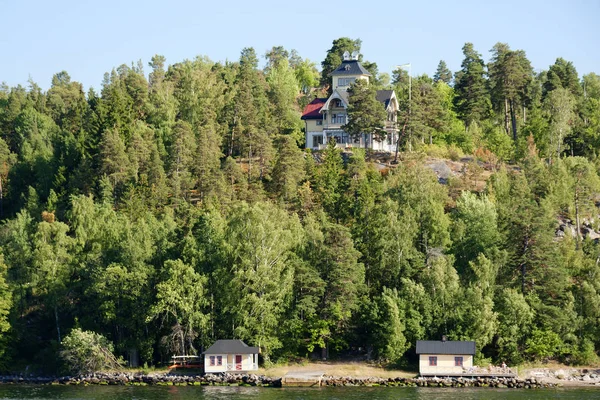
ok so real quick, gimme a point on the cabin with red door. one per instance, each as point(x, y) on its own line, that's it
point(230, 356)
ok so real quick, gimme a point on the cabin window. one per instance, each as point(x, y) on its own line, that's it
point(458, 361)
point(219, 360)
point(433, 361)
point(319, 122)
point(212, 361)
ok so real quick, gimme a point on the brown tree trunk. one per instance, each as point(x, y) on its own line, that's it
point(506, 116)
point(577, 219)
point(513, 120)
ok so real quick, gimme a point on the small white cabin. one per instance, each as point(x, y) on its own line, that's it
point(445, 357)
point(230, 356)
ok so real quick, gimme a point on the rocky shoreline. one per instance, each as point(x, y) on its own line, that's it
point(226, 379)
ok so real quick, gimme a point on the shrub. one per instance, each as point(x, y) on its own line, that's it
point(544, 345)
point(85, 352)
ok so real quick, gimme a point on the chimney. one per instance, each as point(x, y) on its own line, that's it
point(444, 338)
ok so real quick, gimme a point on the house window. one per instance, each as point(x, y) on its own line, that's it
point(317, 140)
point(319, 122)
point(337, 103)
point(433, 361)
point(219, 360)
point(458, 361)
point(212, 361)
point(346, 81)
point(338, 118)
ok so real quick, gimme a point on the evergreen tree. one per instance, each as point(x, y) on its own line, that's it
point(562, 74)
point(472, 101)
point(335, 54)
point(288, 171)
point(366, 115)
point(510, 78)
point(442, 73)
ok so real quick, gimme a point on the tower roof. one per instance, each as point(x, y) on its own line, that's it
point(350, 67)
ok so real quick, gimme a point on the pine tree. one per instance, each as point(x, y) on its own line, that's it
point(442, 73)
point(288, 171)
point(366, 115)
point(472, 101)
point(334, 56)
point(511, 75)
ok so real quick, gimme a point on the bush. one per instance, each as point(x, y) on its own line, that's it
point(544, 345)
point(585, 354)
point(85, 352)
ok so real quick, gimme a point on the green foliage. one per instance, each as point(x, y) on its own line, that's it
point(334, 56)
point(164, 214)
point(472, 102)
point(544, 345)
point(475, 229)
point(442, 73)
point(366, 115)
point(5, 307)
point(180, 302)
point(390, 328)
point(85, 352)
point(259, 242)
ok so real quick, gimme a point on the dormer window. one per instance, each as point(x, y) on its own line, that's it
point(347, 67)
point(337, 103)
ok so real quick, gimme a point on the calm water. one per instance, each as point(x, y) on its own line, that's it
point(238, 393)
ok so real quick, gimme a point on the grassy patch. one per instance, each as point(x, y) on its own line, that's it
point(352, 369)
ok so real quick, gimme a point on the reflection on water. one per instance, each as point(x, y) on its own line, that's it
point(33, 392)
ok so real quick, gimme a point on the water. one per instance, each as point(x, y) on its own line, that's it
point(13, 392)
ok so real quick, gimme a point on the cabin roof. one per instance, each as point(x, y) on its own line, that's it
point(445, 347)
point(228, 346)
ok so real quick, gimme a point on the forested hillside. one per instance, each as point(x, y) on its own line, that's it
point(171, 209)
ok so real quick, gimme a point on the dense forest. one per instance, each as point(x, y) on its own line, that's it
point(174, 208)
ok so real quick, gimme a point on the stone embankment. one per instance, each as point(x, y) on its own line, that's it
point(139, 379)
point(495, 382)
point(225, 379)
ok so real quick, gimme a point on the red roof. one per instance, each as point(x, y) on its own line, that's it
point(311, 111)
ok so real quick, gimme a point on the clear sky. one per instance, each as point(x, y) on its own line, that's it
point(88, 38)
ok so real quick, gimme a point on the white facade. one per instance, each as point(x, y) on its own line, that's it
point(333, 114)
point(230, 362)
point(444, 363)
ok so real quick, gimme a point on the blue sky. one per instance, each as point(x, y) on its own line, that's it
point(88, 38)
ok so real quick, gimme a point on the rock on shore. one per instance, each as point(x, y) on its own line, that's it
point(138, 379)
point(226, 379)
point(495, 382)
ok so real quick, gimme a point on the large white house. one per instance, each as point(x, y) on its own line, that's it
point(444, 357)
point(230, 356)
point(324, 118)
